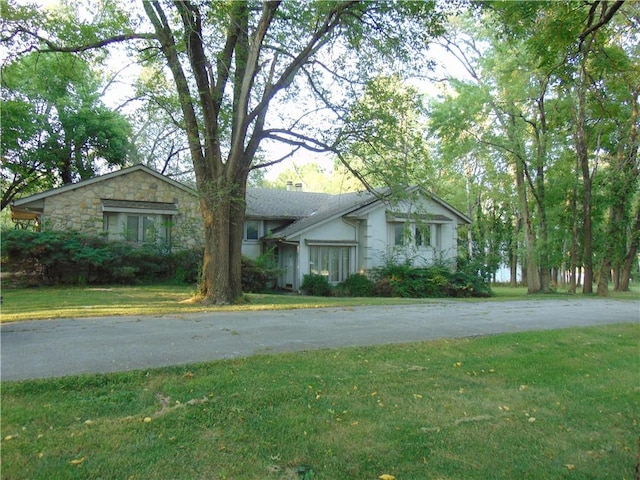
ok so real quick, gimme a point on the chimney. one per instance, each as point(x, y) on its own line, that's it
point(289, 185)
point(298, 187)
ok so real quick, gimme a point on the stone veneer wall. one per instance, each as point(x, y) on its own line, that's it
point(81, 208)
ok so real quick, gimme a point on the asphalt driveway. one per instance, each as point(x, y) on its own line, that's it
point(51, 348)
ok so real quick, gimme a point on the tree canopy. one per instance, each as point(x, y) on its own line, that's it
point(56, 130)
point(229, 62)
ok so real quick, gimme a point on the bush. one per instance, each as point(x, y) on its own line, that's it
point(356, 285)
point(254, 279)
point(316, 285)
point(435, 281)
point(73, 258)
point(55, 257)
point(186, 265)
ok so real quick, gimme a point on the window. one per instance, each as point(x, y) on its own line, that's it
point(398, 234)
point(423, 235)
point(137, 228)
point(418, 235)
point(331, 262)
point(251, 230)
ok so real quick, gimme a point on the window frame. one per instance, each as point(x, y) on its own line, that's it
point(331, 261)
point(117, 224)
point(245, 233)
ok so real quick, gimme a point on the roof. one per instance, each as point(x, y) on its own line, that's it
point(308, 209)
point(304, 209)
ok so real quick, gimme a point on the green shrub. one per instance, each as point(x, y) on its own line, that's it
point(435, 281)
point(356, 285)
point(54, 256)
point(186, 265)
point(73, 258)
point(316, 285)
point(253, 278)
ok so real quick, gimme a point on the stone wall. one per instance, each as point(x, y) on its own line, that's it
point(81, 208)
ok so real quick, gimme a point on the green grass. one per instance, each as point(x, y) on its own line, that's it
point(21, 304)
point(73, 302)
point(541, 405)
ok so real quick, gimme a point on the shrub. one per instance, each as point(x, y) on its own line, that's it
point(316, 285)
point(186, 265)
point(71, 257)
point(437, 280)
point(254, 278)
point(53, 256)
point(356, 285)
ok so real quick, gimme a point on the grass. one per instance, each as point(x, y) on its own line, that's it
point(554, 404)
point(21, 304)
point(72, 302)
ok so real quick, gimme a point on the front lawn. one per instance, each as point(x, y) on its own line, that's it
point(553, 404)
point(73, 302)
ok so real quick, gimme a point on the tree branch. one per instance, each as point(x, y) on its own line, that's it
point(605, 16)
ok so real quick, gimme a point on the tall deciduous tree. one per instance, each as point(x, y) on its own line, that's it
point(231, 61)
point(55, 128)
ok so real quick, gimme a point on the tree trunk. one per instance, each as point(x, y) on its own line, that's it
point(630, 259)
point(532, 274)
point(603, 280)
point(215, 282)
point(573, 255)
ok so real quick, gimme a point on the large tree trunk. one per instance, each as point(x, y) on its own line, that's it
point(214, 284)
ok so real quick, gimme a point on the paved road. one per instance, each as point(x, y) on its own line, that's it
point(51, 348)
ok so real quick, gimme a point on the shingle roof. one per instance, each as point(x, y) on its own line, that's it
point(284, 204)
point(305, 208)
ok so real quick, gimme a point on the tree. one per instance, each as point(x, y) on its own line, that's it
point(501, 115)
point(315, 178)
point(384, 135)
point(55, 128)
point(591, 37)
point(551, 91)
point(230, 62)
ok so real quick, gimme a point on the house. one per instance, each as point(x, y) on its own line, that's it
point(338, 235)
point(136, 203)
point(330, 235)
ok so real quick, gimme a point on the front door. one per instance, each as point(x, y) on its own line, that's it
point(289, 263)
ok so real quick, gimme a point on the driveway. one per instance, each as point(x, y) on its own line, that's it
point(52, 348)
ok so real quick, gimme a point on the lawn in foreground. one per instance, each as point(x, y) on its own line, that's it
point(553, 404)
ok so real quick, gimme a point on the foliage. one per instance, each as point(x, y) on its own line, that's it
point(73, 258)
point(356, 285)
point(538, 129)
point(260, 275)
point(59, 129)
point(383, 137)
point(316, 285)
point(438, 280)
point(553, 404)
point(186, 265)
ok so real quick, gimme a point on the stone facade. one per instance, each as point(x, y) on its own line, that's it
point(81, 208)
